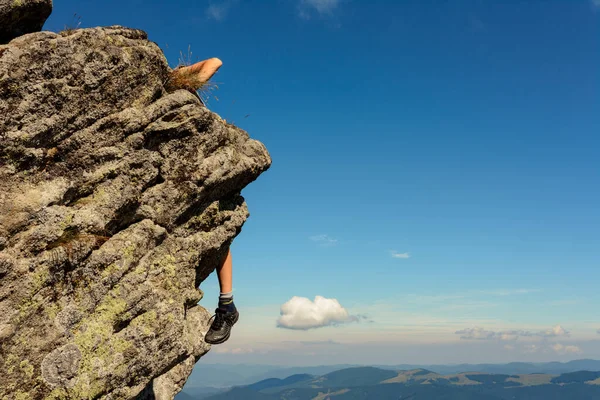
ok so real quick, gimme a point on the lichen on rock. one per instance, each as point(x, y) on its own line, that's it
point(117, 199)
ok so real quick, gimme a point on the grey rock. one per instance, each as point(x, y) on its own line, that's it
point(6, 330)
point(117, 199)
point(67, 318)
point(18, 17)
point(61, 365)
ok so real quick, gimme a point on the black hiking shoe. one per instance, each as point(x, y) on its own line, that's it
point(220, 330)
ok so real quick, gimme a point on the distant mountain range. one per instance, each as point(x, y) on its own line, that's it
point(510, 368)
point(364, 383)
point(227, 375)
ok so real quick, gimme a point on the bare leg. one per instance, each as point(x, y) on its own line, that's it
point(206, 69)
point(193, 77)
point(226, 315)
point(225, 272)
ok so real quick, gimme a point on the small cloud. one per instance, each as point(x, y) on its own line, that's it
point(555, 332)
point(557, 347)
point(300, 313)
point(573, 349)
point(596, 3)
point(324, 240)
point(218, 10)
point(532, 348)
point(517, 333)
point(362, 317)
point(320, 342)
point(509, 347)
point(321, 7)
point(560, 349)
point(395, 254)
point(236, 350)
point(507, 336)
point(476, 334)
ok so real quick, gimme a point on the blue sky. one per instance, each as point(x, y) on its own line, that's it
point(435, 170)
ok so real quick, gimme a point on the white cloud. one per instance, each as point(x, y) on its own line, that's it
point(324, 240)
point(395, 254)
point(218, 10)
point(555, 331)
point(532, 348)
point(301, 313)
point(573, 349)
point(560, 349)
point(507, 336)
point(235, 350)
point(322, 6)
point(542, 340)
point(478, 333)
point(329, 342)
point(557, 347)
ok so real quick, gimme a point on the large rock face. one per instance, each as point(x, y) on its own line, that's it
point(117, 199)
point(18, 17)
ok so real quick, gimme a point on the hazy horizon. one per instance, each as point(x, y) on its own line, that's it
point(383, 353)
point(209, 364)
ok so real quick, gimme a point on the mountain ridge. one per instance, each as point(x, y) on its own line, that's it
point(360, 383)
point(228, 375)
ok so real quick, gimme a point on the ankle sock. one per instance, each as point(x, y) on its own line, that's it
point(226, 302)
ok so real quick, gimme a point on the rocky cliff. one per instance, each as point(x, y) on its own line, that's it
point(117, 199)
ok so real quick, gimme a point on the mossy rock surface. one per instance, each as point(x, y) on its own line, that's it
point(117, 199)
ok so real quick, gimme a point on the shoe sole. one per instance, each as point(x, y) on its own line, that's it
point(225, 338)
